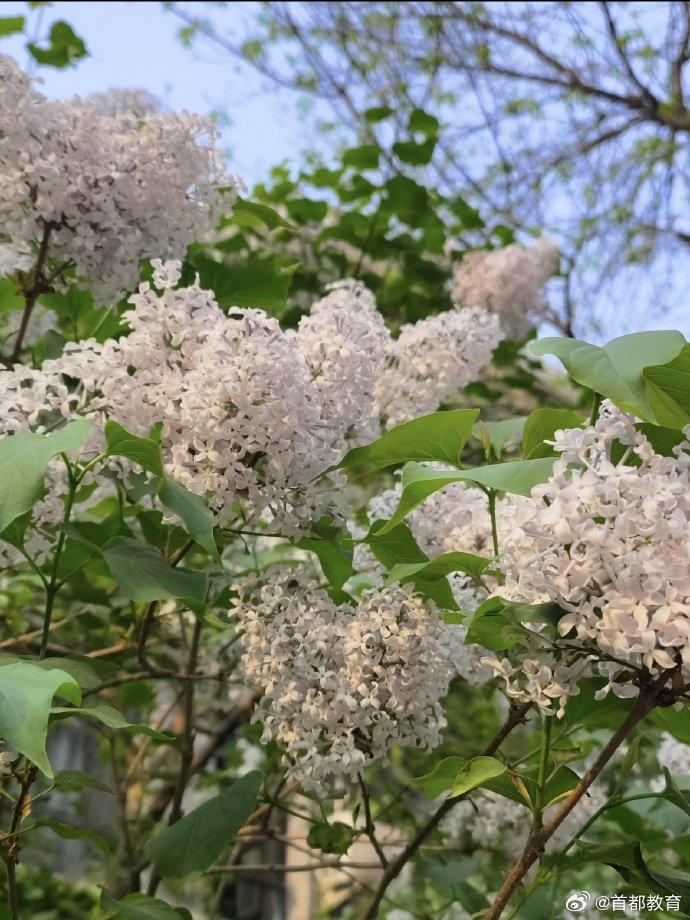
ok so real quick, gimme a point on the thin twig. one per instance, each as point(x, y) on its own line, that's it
point(11, 846)
point(369, 826)
point(187, 750)
point(515, 716)
point(237, 718)
point(289, 867)
point(35, 633)
point(537, 840)
point(33, 294)
point(147, 620)
point(121, 794)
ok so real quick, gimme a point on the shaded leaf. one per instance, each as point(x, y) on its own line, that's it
point(15, 533)
point(476, 773)
point(445, 775)
point(110, 717)
point(675, 721)
point(193, 843)
point(193, 511)
point(138, 906)
point(77, 781)
point(423, 122)
point(306, 210)
point(10, 297)
point(663, 440)
point(364, 157)
point(260, 283)
point(492, 627)
point(668, 390)
point(499, 434)
point(628, 861)
point(441, 778)
point(676, 796)
point(335, 556)
point(440, 566)
point(413, 153)
point(398, 545)
point(585, 709)
point(253, 214)
point(81, 670)
point(562, 782)
point(142, 574)
point(377, 113)
point(11, 24)
point(407, 198)
point(65, 47)
point(331, 838)
point(69, 832)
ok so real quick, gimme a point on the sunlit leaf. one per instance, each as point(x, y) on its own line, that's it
point(26, 699)
point(439, 436)
point(24, 459)
point(615, 370)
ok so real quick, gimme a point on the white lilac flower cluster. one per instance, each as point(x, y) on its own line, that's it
point(342, 683)
point(607, 538)
point(492, 820)
point(345, 343)
point(508, 282)
point(113, 185)
point(432, 360)
point(250, 413)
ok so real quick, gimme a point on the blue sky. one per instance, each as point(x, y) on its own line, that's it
point(136, 45)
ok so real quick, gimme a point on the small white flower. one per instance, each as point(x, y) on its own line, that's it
point(7, 759)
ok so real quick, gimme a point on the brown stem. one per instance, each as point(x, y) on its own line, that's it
point(147, 620)
point(121, 793)
point(146, 675)
point(10, 844)
point(144, 628)
point(33, 634)
point(239, 717)
point(515, 716)
point(289, 867)
point(33, 294)
point(187, 751)
point(540, 835)
point(369, 827)
point(12, 889)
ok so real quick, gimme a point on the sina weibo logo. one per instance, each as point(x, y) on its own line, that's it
point(578, 901)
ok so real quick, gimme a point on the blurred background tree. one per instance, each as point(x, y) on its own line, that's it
point(570, 117)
